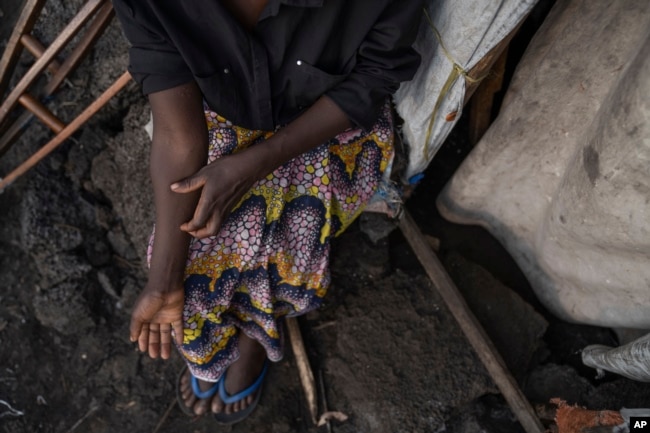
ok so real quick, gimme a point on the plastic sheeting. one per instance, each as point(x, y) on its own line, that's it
point(466, 31)
point(631, 360)
point(562, 177)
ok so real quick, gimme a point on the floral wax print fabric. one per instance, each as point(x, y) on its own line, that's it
point(271, 256)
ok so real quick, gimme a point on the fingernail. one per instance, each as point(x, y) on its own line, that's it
point(174, 186)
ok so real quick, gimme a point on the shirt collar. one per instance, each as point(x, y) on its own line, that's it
point(273, 6)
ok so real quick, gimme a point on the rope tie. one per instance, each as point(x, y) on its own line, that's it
point(457, 71)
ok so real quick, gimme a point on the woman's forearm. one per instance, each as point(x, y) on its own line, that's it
point(321, 122)
point(179, 149)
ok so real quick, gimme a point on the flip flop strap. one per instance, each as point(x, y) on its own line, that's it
point(203, 394)
point(228, 399)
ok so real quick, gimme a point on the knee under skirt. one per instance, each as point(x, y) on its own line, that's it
point(270, 258)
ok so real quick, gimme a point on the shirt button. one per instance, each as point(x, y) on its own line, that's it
point(226, 71)
point(299, 62)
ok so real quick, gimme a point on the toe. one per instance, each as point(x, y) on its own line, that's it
point(200, 407)
point(187, 393)
point(217, 405)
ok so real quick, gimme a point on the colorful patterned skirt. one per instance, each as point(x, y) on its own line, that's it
point(271, 255)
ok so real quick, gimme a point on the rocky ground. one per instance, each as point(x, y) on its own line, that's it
point(384, 348)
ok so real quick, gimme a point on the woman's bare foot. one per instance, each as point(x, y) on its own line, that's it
point(241, 374)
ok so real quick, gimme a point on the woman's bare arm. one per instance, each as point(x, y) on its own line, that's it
point(179, 149)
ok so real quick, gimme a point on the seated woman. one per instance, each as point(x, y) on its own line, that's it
point(295, 96)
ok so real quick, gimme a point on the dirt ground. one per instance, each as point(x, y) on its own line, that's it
point(384, 348)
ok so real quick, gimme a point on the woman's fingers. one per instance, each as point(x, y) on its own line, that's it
point(177, 328)
point(143, 338)
point(207, 219)
point(211, 227)
point(189, 184)
point(154, 340)
point(165, 340)
point(134, 329)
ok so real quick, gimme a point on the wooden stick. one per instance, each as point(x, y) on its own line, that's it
point(70, 129)
point(323, 397)
point(306, 374)
point(13, 131)
point(480, 106)
point(40, 111)
point(470, 326)
point(37, 49)
point(92, 33)
point(25, 23)
point(165, 415)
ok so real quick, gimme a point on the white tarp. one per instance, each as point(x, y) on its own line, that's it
point(467, 31)
point(562, 177)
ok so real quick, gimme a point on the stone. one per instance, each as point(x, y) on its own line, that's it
point(65, 307)
point(514, 327)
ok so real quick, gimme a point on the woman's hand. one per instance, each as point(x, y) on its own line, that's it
point(155, 315)
point(223, 183)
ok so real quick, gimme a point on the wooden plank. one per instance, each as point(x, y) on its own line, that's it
point(481, 104)
point(70, 129)
point(37, 68)
point(470, 326)
point(24, 24)
point(485, 64)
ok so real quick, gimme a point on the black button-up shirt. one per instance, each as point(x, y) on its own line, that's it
point(354, 51)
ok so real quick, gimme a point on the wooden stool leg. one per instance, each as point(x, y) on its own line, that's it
point(12, 51)
point(37, 49)
point(93, 32)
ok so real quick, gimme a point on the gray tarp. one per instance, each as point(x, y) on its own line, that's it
point(467, 31)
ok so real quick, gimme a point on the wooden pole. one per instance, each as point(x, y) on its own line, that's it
point(12, 51)
point(473, 330)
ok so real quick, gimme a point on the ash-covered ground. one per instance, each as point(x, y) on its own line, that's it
point(384, 348)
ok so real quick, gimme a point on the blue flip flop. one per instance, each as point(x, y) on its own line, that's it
point(232, 418)
point(197, 391)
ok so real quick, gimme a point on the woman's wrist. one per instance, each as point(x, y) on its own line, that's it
point(164, 280)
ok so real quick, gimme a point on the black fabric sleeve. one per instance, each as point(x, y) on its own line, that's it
point(384, 60)
point(154, 62)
